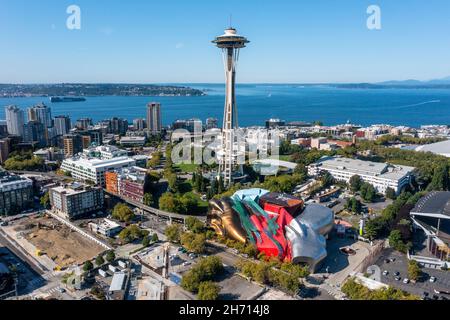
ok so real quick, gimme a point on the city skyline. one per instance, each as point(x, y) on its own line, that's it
point(299, 43)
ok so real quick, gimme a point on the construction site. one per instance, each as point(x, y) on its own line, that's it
point(51, 238)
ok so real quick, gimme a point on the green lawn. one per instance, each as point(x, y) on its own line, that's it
point(190, 167)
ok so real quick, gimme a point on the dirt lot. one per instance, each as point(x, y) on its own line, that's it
point(64, 246)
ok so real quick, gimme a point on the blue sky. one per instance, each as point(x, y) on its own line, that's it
point(169, 41)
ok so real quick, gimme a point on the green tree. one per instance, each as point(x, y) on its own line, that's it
point(205, 270)
point(194, 225)
point(327, 180)
point(110, 256)
point(208, 291)
point(170, 203)
point(414, 271)
point(174, 184)
point(354, 205)
point(148, 199)
point(99, 261)
point(88, 266)
point(440, 181)
point(390, 194)
point(45, 200)
point(193, 242)
point(146, 241)
point(123, 213)
point(368, 192)
point(155, 238)
point(173, 233)
point(355, 183)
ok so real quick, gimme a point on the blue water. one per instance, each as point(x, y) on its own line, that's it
point(257, 103)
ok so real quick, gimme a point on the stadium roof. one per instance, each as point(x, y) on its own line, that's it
point(441, 148)
point(435, 204)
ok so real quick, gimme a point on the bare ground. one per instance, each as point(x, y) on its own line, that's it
point(64, 246)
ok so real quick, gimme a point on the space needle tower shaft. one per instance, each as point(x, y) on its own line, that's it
point(230, 43)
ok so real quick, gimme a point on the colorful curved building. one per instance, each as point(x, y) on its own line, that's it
point(279, 225)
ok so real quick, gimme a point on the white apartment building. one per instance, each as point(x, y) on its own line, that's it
point(381, 175)
point(75, 200)
point(93, 169)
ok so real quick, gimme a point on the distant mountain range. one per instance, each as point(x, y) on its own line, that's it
point(443, 83)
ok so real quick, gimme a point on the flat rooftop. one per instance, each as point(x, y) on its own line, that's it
point(369, 168)
point(96, 163)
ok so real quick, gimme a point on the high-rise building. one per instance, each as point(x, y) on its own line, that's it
point(41, 113)
point(62, 125)
point(3, 128)
point(139, 124)
point(230, 43)
point(35, 132)
point(154, 123)
point(73, 144)
point(119, 126)
point(14, 120)
point(4, 149)
point(83, 123)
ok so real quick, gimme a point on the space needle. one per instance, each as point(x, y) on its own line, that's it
point(230, 43)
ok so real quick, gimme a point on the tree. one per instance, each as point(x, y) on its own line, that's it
point(327, 180)
point(45, 200)
point(99, 261)
point(155, 238)
point(390, 193)
point(368, 192)
point(205, 270)
point(174, 185)
point(132, 233)
point(208, 291)
point(189, 204)
point(193, 242)
point(414, 271)
point(110, 256)
point(173, 233)
point(355, 183)
point(146, 241)
point(148, 199)
point(396, 241)
point(354, 205)
point(440, 181)
point(88, 266)
point(194, 225)
point(170, 203)
point(123, 213)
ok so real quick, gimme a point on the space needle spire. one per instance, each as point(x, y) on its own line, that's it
point(230, 43)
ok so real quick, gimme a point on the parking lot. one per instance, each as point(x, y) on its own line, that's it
point(400, 265)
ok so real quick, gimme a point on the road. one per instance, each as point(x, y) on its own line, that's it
point(9, 243)
point(154, 211)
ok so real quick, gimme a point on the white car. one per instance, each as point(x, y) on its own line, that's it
point(385, 273)
point(406, 281)
point(433, 279)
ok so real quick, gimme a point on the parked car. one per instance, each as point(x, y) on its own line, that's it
point(398, 278)
point(406, 281)
point(433, 279)
point(397, 274)
point(385, 273)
